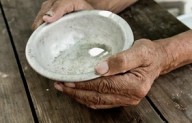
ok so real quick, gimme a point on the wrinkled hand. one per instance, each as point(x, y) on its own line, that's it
point(52, 10)
point(127, 77)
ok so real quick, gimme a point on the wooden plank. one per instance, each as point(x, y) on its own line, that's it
point(51, 106)
point(14, 106)
point(171, 93)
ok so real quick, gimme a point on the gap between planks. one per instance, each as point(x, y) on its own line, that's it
point(19, 66)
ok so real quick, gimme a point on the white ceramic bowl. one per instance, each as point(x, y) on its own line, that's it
point(68, 49)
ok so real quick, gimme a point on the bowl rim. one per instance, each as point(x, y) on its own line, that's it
point(125, 27)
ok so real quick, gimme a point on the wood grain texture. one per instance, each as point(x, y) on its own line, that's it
point(52, 106)
point(14, 106)
point(171, 93)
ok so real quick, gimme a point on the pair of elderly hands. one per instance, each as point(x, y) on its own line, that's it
point(126, 77)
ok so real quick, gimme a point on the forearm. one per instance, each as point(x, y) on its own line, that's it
point(179, 51)
point(115, 6)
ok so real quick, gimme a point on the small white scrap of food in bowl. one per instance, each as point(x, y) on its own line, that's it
point(68, 49)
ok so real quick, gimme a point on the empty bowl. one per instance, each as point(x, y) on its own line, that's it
point(68, 49)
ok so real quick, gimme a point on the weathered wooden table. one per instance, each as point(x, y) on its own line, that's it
point(27, 97)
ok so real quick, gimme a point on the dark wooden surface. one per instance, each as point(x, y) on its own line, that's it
point(170, 99)
point(14, 106)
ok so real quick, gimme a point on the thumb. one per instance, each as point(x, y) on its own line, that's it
point(55, 13)
point(59, 9)
point(120, 63)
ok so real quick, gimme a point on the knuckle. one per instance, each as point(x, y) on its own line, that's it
point(84, 101)
point(141, 92)
point(143, 83)
point(104, 86)
point(96, 100)
point(121, 60)
point(86, 85)
point(107, 85)
point(141, 77)
point(113, 86)
point(140, 74)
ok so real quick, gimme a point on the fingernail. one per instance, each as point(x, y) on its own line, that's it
point(49, 13)
point(102, 68)
point(58, 87)
point(71, 85)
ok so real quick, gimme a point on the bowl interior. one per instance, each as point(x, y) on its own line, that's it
point(75, 44)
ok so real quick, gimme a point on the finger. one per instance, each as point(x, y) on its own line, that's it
point(94, 98)
point(97, 106)
point(58, 86)
point(61, 8)
point(118, 84)
point(56, 12)
point(106, 85)
point(44, 9)
point(130, 85)
point(120, 63)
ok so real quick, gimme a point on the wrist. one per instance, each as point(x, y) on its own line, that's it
point(178, 50)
